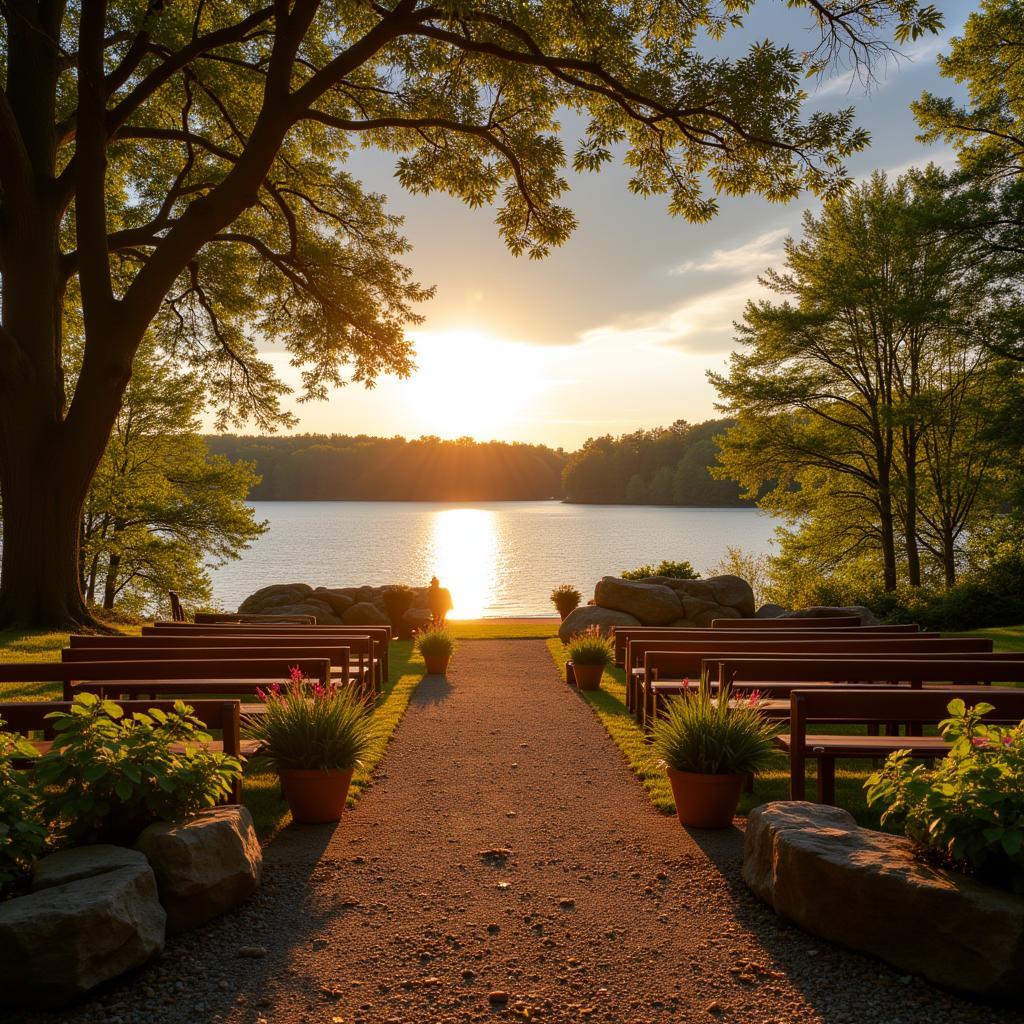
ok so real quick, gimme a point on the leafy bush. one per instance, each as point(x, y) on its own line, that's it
point(107, 777)
point(968, 809)
point(566, 598)
point(671, 570)
point(309, 725)
point(397, 601)
point(706, 734)
point(436, 643)
point(590, 648)
point(22, 832)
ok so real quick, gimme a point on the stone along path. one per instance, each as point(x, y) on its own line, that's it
point(507, 866)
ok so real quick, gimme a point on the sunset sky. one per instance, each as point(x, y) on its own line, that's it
point(615, 330)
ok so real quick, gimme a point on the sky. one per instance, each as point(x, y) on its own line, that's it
point(615, 330)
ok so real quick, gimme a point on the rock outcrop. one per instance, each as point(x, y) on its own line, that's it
point(868, 891)
point(662, 601)
point(867, 616)
point(589, 616)
point(649, 603)
point(332, 606)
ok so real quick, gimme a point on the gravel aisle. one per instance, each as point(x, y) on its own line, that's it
point(599, 909)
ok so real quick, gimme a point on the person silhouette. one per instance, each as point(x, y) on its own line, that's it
point(439, 601)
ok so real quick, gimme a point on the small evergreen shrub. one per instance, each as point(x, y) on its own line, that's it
point(968, 809)
point(566, 598)
point(308, 725)
point(397, 601)
point(590, 648)
point(703, 733)
point(436, 643)
point(671, 570)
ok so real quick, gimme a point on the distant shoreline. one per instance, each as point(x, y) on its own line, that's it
point(487, 501)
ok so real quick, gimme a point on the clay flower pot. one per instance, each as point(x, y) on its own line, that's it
point(588, 677)
point(315, 796)
point(705, 801)
point(437, 665)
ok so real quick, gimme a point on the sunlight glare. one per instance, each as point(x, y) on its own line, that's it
point(463, 556)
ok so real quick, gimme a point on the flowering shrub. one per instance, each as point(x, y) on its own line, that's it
point(108, 776)
point(590, 647)
point(712, 735)
point(307, 725)
point(22, 833)
point(968, 809)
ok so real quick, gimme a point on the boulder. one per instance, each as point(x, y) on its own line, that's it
point(867, 890)
point(650, 603)
point(417, 618)
point(717, 611)
point(770, 611)
point(269, 596)
point(694, 606)
point(365, 614)
point(83, 862)
point(867, 616)
point(203, 866)
point(700, 589)
point(733, 592)
point(338, 602)
point(63, 940)
point(579, 620)
point(683, 624)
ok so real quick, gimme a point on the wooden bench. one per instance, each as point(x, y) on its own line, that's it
point(621, 635)
point(822, 622)
point(28, 717)
point(210, 618)
point(684, 659)
point(918, 708)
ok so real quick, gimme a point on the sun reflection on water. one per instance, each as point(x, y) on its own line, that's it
point(463, 556)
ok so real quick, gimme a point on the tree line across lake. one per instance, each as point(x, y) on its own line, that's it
point(663, 466)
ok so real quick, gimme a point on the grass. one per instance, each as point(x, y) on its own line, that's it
point(503, 629)
point(609, 704)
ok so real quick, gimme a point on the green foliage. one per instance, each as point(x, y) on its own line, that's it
point(565, 598)
point(748, 565)
point(397, 601)
point(670, 570)
point(665, 466)
point(308, 725)
point(22, 828)
point(708, 734)
point(969, 807)
point(107, 776)
point(590, 647)
point(436, 643)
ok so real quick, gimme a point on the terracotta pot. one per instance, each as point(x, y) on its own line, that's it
point(438, 664)
point(705, 801)
point(316, 796)
point(588, 677)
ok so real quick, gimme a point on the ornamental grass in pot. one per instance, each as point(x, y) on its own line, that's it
point(709, 745)
point(436, 647)
point(566, 598)
point(313, 735)
point(590, 653)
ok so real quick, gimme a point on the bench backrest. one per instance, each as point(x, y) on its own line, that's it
point(211, 618)
point(821, 622)
point(261, 628)
point(264, 667)
point(686, 655)
point(855, 668)
point(622, 635)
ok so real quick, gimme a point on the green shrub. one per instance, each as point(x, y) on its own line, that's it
point(22, 832)
point(703, 733)
point(436, 643)
point(397, 601)
point(968, 809)
point(671, 570)
point(590, 648)
point(107, 776)
point(308, 725)
point(566, 598)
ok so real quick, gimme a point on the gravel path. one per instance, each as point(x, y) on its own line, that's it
point(507, 866)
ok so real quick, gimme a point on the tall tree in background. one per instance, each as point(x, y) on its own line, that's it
point(161, 508)
point(182, 166)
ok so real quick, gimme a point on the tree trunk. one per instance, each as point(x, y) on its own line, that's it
point(887, 523)
point(110, 583)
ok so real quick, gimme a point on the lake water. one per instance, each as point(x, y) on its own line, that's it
point(498, 559)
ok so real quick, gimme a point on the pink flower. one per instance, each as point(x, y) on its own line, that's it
point(979, 741)
point(275, 690)
point(296, 674)
point(318, 690)
point(686, 683)
point(1007, 740)
point(755, 696)
point(261, 694)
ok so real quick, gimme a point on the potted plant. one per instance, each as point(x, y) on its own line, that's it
point(590, 653)
point(709, 745)
point(436, 647)
point(565, 598)
point(313, 737)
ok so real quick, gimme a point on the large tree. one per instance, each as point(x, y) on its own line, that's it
point(181, 165)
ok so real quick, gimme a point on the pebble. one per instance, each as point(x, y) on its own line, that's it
point(497, 997)
point(253, 952)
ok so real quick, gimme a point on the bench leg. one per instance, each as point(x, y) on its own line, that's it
point(826, 780)
point(570, 674)
point(797, 777)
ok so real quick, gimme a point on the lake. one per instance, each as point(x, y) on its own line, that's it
point(498, 559)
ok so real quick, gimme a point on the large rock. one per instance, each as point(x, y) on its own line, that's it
point(718, 611)
point(867, 616)
point(770, 611)
point(276, 594)
point(365, 614)
point(338, 602)
point(733, 592)
point(203, 866)
point(867, 890)
point(579, 620)
point(83, 862)
point(63, 940)
point(651, 603)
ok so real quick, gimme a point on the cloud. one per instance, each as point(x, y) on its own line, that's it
point(702, 324)
point(755, 255)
